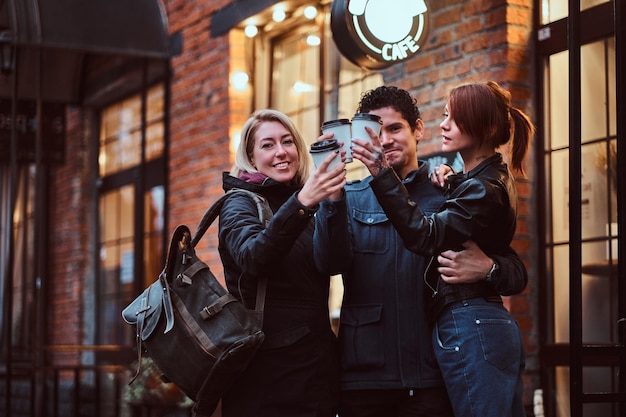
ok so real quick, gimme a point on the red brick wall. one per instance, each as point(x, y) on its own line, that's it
point(199, 149)
point(69, 236)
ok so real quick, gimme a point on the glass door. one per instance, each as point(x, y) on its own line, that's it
point(583, 292)
point(131, 208)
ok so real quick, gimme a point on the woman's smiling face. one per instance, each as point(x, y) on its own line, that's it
point(275, 153)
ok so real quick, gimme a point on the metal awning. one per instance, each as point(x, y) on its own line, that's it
point(234, 13)
point(65, 33)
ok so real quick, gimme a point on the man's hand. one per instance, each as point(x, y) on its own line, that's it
point(371, 153)
point(464, 267)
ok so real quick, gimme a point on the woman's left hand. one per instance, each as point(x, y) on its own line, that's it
point(440, 174)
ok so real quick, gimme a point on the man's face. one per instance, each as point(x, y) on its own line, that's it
point(398, 140)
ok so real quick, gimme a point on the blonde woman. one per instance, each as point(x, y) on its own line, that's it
point(295, 372)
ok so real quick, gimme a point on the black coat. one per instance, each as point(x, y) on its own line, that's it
point(481, 206)
point(295, 372)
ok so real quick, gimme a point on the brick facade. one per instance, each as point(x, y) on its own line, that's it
point(69, 237)
point(199, 118)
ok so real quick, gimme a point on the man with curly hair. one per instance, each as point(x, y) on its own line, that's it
point(388, 365)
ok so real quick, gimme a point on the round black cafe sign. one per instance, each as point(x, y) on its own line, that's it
point(376, 34)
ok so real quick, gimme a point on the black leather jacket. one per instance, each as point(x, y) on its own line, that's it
point(481, 206)
point(295, 371)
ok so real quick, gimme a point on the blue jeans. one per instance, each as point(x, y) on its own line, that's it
point(479, 349)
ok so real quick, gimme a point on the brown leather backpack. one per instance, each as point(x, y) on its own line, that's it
point(199, 336)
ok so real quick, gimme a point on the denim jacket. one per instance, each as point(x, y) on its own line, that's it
point(384, 334)
point(384, 329)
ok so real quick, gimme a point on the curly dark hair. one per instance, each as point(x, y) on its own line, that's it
point(394, 97)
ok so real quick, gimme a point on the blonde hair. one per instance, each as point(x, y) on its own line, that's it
point(243, 157)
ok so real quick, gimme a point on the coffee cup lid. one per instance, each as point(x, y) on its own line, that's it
point(324, 145)
point(368, 116)
point(332, 123)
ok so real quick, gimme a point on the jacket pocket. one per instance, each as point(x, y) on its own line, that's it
point(369, 231)
point(361, 337)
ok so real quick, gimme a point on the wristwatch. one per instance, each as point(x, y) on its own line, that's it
point(495, 269)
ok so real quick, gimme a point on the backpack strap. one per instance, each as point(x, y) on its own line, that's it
point(265, 214)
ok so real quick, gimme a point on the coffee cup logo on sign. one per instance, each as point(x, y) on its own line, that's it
point(379, 33)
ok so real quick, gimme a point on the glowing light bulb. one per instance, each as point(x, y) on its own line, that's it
point(301, 87)
point(239, 80)
point(313, 40)
point(279, 14)
point(310, 12)
point(251, 31)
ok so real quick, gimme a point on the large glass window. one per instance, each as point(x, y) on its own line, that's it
point(553, 10)
point(598, 222)
point(598, 187)
point(131, 206)
point(294, 66)
point(295, 83)
point(124, 143)
point(17, 277)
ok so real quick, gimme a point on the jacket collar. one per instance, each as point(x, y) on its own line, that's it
point(274, 191)
point(418, 175)
point(455, 179)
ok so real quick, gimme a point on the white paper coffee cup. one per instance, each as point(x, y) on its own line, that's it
point(360, 120)
point(342, 130)
point(321, 149)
